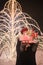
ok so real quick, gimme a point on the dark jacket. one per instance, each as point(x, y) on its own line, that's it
point(26, 57)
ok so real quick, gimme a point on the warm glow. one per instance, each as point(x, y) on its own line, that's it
point(12, 21)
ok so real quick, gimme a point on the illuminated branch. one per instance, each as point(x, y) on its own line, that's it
point(12, 21)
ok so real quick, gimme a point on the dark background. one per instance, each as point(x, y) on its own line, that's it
point(33, 7)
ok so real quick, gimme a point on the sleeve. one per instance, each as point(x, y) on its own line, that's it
point(34, 47)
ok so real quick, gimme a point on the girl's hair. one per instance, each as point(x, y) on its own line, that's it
point(23, 30)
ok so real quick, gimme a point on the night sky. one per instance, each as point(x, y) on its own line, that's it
point(33, 7)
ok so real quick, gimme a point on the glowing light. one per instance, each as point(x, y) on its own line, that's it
point(12, 21)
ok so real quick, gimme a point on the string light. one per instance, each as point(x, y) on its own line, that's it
point(12, 21)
